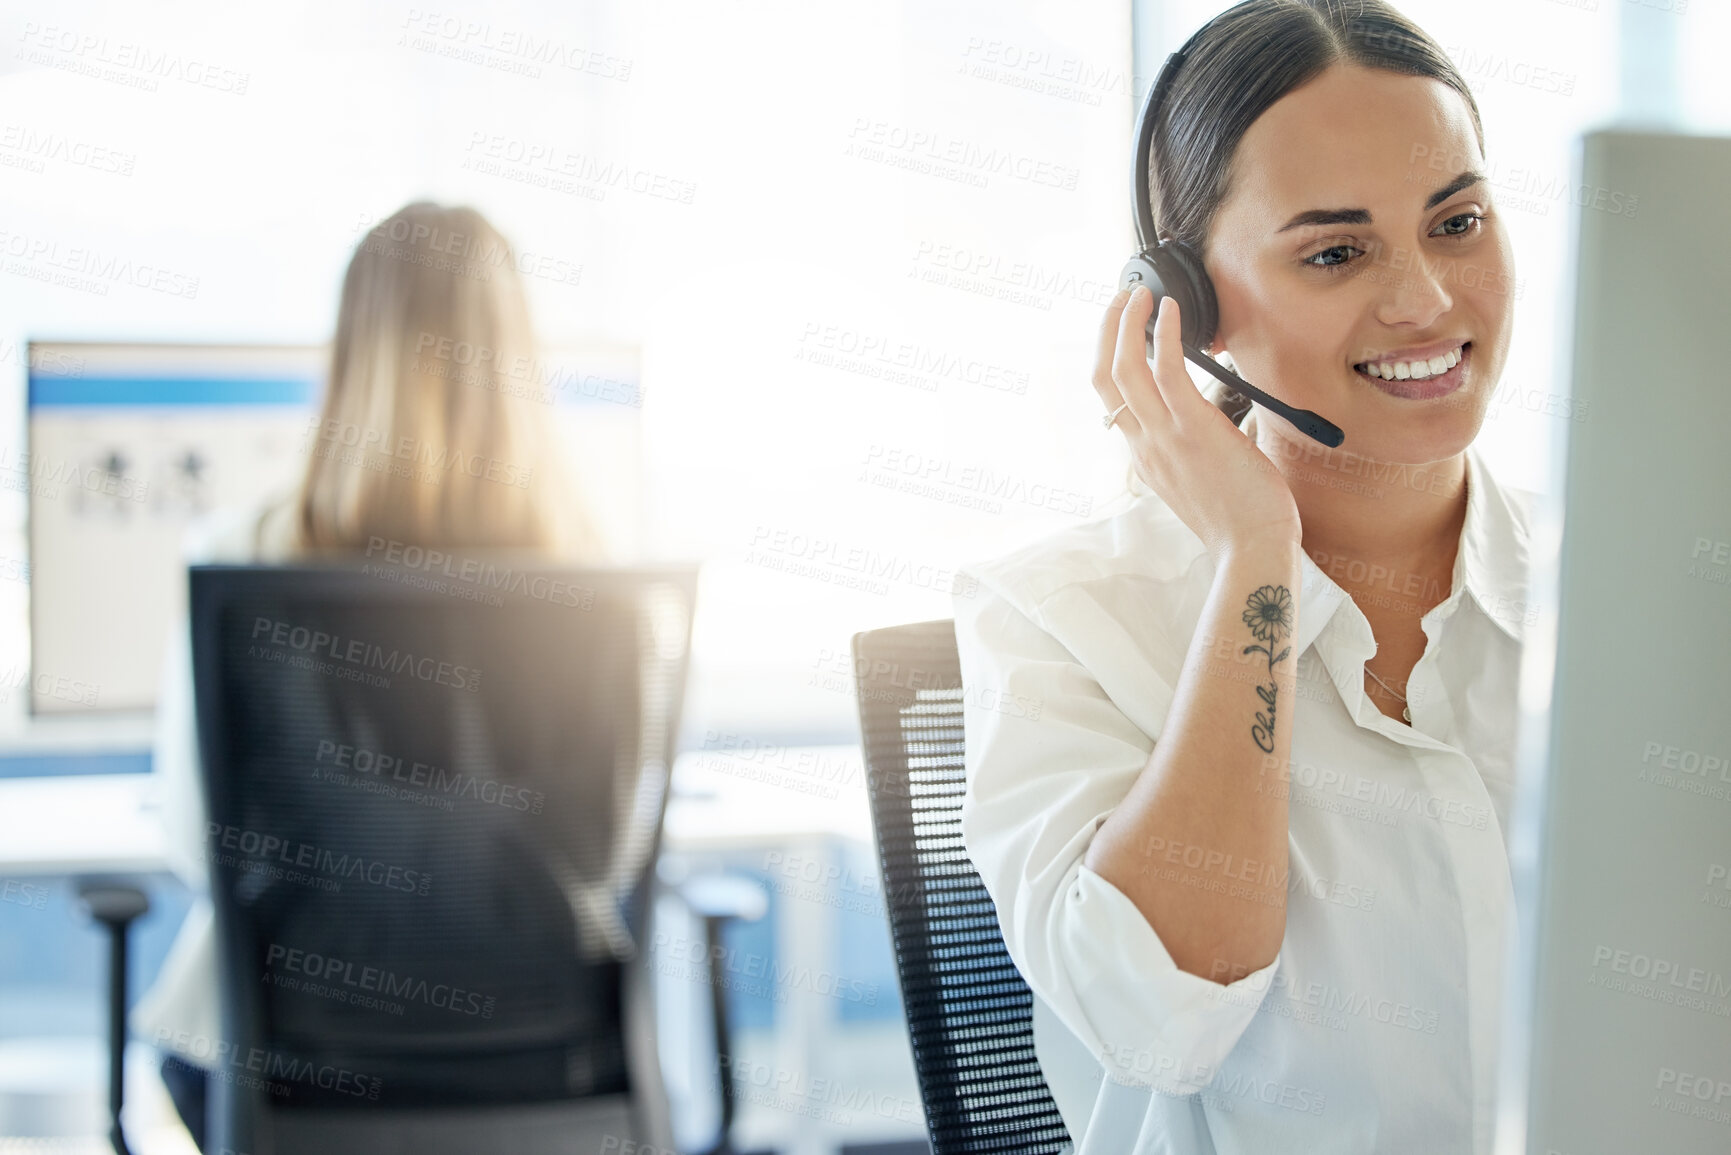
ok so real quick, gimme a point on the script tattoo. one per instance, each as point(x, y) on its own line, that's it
point(1268, 613)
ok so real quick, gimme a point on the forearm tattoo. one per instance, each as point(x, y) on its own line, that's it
point(1268, 613)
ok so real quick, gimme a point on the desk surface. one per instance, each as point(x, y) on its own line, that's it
point(81, 731)
point(78, 825)
point(768, 794)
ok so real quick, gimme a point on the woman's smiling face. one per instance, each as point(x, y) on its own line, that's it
point(1356, 228)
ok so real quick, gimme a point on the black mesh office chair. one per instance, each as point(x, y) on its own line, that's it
point(969, 1012)
point(433, 812)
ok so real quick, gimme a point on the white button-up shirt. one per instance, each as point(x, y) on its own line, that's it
point(1375, 1028)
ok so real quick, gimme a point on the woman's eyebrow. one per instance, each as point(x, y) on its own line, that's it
point(1362, 216)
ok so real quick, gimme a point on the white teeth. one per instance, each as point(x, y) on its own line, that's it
point(1414, 370)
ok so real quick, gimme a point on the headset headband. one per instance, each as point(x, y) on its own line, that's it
point(1146, 232)
point(1147, 235)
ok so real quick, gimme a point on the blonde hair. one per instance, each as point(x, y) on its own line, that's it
point(420, 438)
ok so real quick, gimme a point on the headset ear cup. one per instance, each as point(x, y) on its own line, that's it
point(1185, 277)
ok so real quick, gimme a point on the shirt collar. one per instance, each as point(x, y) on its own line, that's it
point(1492, 559)
point(1490, 563)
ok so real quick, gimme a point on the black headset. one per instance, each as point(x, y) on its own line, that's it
point(1174, 269)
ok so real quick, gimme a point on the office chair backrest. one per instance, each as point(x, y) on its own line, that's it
point(969, 1012)
point(433, 806)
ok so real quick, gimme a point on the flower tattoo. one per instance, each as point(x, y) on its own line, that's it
point(1268, 613)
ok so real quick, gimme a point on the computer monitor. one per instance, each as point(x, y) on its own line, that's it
point(128, 443)
point(1617, 1015)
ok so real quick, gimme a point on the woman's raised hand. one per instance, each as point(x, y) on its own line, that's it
point(1201, 465)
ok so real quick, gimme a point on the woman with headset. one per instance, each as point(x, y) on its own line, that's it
point(1248, 852)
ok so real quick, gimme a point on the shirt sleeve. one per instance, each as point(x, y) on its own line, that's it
point(1048, 757)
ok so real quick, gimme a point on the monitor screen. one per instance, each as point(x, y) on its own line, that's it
point(1617, 1029)
point(130, 443)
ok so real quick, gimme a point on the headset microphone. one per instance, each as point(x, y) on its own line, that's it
point(1172, 268)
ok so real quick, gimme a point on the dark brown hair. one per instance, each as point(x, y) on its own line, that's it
point(1237, 66)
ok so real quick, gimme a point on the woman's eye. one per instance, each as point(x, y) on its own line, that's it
point(1335, 255)
point(1469, 223)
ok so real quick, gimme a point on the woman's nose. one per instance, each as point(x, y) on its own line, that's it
point(1416, 288)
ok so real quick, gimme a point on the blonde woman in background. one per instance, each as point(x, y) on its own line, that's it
point(411, 447)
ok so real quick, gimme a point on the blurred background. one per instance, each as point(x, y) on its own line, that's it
point(816, 287)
